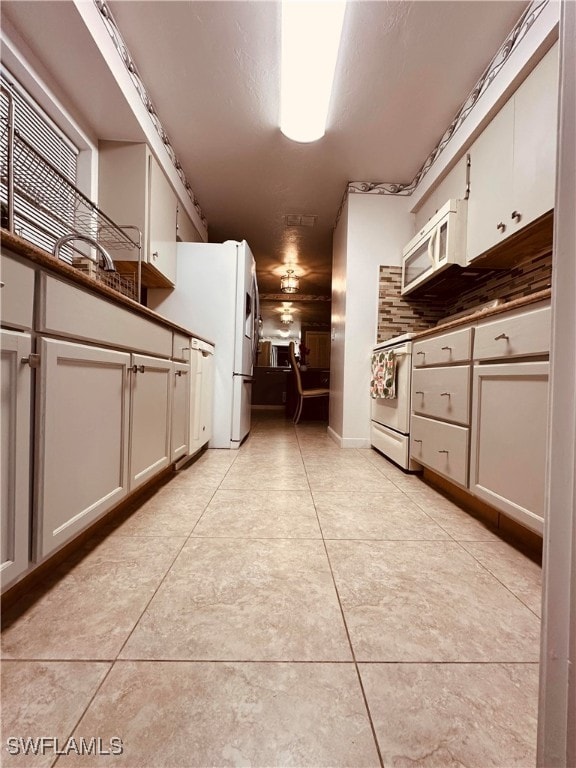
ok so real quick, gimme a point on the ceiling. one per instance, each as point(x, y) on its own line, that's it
point(212, 72)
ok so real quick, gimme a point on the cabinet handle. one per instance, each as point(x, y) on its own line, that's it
point(516, 216)
point(501, 336)
point(445, 394)
point(420, 353)
point(1, 284)
point(32, 360)
point(417, 441)
point(419, 392)
point(138, 368)
point(181, 373)
point(501, 226)
point(443, 451)
point(450, 348)
point(155, 255)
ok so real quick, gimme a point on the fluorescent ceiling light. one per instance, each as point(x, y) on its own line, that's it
point(310, 41)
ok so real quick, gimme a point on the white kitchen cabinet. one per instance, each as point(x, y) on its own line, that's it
point(150, 417)
point(439, 425)
point(509, 438)
point(17, 298)
point(82, 434)
point(180, 439)
point(15, 428)
point(133, 190)
point(442, 447)
point(513, 162)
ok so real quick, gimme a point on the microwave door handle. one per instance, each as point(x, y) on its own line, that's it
point(432, 247)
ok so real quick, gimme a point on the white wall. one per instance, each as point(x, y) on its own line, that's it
point(372, 231)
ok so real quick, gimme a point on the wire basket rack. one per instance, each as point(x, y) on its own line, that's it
point(40, 204)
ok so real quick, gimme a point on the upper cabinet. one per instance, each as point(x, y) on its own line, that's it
point(513, 162)
point(133, 190)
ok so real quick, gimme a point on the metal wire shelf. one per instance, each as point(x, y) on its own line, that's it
point(42, 205)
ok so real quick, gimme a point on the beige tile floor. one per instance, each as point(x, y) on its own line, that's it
point(287, 604)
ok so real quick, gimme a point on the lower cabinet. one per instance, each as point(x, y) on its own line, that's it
point(442, 447)
point(180, 440)
point(509, 439)
point(82, 429)
point(150, 417)
point(15, 447)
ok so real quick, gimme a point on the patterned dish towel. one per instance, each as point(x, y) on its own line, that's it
point(383, 382)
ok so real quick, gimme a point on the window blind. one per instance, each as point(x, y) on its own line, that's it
point(34, 217)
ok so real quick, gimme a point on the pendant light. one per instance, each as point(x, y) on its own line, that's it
point(289, 283)
point(286, 317)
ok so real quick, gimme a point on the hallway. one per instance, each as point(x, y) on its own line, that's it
point(287, 604)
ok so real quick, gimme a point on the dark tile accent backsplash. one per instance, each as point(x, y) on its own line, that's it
point(397, 315)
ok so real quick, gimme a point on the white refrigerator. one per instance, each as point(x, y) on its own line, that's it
point(216, 297)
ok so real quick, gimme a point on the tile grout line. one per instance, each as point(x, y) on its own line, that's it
point(112, 662)
point(162, 580)
point(356, 667)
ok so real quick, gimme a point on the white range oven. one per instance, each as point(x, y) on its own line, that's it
point(390, 418)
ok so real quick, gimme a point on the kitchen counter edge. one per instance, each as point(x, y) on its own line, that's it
point(20, 247)
point(523, 301)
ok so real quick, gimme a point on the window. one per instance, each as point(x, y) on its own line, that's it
point(45, 165)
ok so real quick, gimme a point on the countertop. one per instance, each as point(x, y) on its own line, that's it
point(481, 314)
point(21, 247)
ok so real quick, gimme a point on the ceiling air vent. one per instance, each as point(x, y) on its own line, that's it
point(299, 220)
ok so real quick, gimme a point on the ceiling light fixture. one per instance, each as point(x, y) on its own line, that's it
point(311, 34)
point(286, 318)
point(289, 283)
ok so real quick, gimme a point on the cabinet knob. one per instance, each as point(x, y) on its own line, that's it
point(138, 368)
point(155, 255)
point(501, 226)
point(516, 216)
point(501, 336)
point(181, 373)
point(32, 360)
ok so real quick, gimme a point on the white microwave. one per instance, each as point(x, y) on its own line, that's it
point(440, 243)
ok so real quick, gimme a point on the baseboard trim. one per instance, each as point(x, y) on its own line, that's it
point(348, 442)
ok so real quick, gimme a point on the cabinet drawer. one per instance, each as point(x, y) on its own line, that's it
point(441, 447)
point(71, 312)
point(181, 346)
point(17, 294)
point(527, 333)
point(452, 347)
point(443, 393)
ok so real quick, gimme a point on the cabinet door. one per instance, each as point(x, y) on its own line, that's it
point(15, 446)
point(509, 435)
point(150, 421)
point(491, 158)
point(180, 411)
point(82, 438)
point(163, 207)
point(535, 129)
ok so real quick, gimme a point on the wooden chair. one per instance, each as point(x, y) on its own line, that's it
point(303, 394)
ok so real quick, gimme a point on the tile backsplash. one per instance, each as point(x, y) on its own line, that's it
point(397, 314)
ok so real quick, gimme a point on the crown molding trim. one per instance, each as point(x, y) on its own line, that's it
point(486, 79)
